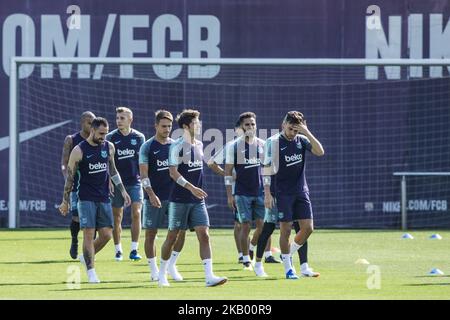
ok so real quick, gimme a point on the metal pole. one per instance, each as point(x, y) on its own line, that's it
point(13, 146)
point(403, 204)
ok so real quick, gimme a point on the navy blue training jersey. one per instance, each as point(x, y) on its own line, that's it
point(94, 172)
point(246, 159)
point(288, 158)
point(156, 156)
point(76, 139)
point(189, 160)
point(127, 154)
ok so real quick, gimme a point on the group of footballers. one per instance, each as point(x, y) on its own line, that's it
point(264, 181)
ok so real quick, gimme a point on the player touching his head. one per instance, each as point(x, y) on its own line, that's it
point(154, 167)
point(286, 191)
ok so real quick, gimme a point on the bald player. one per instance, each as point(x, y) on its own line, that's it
point(71, 142)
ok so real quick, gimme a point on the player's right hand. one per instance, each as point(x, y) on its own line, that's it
point(64, 208)
point(231, 203)
point(154, 200)
point(268, 201)
point(111, 188)
point(199, 193)
point(126, 198)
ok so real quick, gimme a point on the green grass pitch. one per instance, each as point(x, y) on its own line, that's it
point(35, 264)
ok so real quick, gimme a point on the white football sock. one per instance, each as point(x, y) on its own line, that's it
point(267, 254)
point(304, 266)
point(251, 247)
point(246, 258)
point(173, 258)
point(294, 247)
point(91, 273)
point(153, 265)
point(207, 265)
point(286, 262)
point(118, 247)
point(134, 246)
point(163, 268)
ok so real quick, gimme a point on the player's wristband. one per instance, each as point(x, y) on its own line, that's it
point(182, 181)
point(116, 179)
point(228, 180)
point(267, 180)
point(146, 183)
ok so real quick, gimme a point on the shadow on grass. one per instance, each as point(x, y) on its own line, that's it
point(181, 284)
point(193, 271)
point(39, 262)
point(426, 284)
point(431, 276)
point(29, 239)
point(31, 284)
point(98, 288)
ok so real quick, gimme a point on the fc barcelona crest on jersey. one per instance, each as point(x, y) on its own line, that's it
point(104, 154)
point(133, 142)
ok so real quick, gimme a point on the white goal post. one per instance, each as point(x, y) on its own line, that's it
point(16, 62)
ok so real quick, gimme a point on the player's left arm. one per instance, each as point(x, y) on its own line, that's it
point(228, 179)
point(75, 157)
point(316, 146)
point(115, 176)
point(65, 155)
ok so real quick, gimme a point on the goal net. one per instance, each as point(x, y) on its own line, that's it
point(372, 121)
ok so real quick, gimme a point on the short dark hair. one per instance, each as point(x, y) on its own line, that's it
point(163, 114)
point(99, 121)
point(87, 114)
point(186, 117)
point(237, 124)
point(294, 117)
point(246, 115)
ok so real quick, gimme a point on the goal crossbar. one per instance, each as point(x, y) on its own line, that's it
point(13, 207)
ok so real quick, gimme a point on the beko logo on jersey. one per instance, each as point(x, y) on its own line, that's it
point(126, 152)
point(252, 161)
point(97, 166)
point(195, 164)
point(164, 163)
point(295, 157)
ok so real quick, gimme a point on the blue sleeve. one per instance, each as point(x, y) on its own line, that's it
point(174, 153)
point(142, 136)
point(143, 152)
point(267, 159)
point(306, 143)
